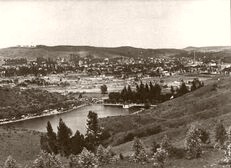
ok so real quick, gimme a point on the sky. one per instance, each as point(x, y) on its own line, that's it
point(113, 23)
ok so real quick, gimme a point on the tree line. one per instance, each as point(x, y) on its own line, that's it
point(151, 93)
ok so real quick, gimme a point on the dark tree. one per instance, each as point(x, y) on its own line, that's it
point(124, 94)
point(92, 137)
point(77, 143)
point(103, 89)
point(51, 138)
point(129, 93)
point(63, 137)
point(157, 91)
point(183, 89)
point(172, 90)
point(114, 96)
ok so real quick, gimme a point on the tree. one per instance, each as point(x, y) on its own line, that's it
point(159, 158)
point(157, 91)
point(77, 143)
point(229, 135)
point(193, 143)
point(227, 158)
point(129, 93)
point(104, 155)
point(124, 94)
point(63, 137)
point(46, 160)
point(114, 96)
point(10, 163)
point(51, 138)
point(85, 159)
point(92, 137)
point(103, 89)
point(139, 153)
point(193, 87)
point(154, 147)
point(166, 145)
point(172, 90)
point(220, 133)
point(183, 89)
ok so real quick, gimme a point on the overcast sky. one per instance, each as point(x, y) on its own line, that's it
point(144, 23)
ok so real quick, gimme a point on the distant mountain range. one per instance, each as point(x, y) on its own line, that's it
point(32, 53)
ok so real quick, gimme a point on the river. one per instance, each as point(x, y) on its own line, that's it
point(75, 119)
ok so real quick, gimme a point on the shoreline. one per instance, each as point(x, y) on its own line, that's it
point(51, 113)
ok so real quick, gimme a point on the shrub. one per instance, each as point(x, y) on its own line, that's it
point(154, 147)
point(166, 145)
point(104, 155)
point(85, 159)
point(220, 133)
point(139, 153)
point(159, 158)
point(193, 143)
point(10, 163)
point(227, 158)
point(204, 135)
point(46, 160)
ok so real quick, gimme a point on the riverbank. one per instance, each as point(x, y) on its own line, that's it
point(50, 113)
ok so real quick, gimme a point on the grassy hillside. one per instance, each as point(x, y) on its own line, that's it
point(98, 52)
point(205, 104)
point(23, 145)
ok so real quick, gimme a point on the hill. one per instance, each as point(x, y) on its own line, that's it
point(208, 49)
point(205, 105)
point(31, 53)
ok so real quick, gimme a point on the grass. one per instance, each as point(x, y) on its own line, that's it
point(23, 145)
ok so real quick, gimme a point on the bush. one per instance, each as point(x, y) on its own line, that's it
point(10, 163)
point(220, 133)
point(85, 159)
point(104, 155)
point(154, 147)
point(204, 135)
point(159, 158)
point(227, 158)
point(193, 143)
point(166, 145)
point(139, 153)
point(46, 160)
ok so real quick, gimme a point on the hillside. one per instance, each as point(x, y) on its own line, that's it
point(15, 102)
point(208, 49)
point(205, 105)
point(32, 53)
point(23, 145)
